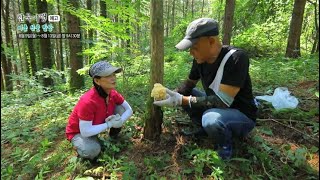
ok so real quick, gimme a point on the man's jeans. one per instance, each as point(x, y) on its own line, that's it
point(221, 124)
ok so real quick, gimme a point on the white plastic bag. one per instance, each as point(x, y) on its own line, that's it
point(281, 99)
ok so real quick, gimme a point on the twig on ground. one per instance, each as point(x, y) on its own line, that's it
point(274, 120)
point(290, 120)
point(309, 98)
point(165, 168)
point(265, 171)
point(180, 142)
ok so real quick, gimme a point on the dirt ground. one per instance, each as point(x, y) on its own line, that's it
point(171, 143)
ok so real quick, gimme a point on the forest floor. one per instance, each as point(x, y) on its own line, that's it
point(168, 159)
point(171, 143)
point(288, 140)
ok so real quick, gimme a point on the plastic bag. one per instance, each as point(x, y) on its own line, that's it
point(281, 99)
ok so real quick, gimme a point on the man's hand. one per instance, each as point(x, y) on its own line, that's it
point(114, 121)
point(173, 99)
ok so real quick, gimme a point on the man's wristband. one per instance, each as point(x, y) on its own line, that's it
point(190, 101)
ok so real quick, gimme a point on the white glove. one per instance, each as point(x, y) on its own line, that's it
point(114, 121)
point(173, 99)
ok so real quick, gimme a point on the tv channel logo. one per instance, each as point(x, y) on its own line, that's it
point(54, 18)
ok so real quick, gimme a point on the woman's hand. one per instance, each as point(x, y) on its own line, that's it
point(114, 121)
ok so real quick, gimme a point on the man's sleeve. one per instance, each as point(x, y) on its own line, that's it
point(194, 72)
point(236, 69)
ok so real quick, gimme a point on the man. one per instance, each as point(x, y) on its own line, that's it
point(227, 107)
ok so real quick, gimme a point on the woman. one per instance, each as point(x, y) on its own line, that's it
point(96, 111)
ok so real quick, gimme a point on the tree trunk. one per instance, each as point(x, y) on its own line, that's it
point(21, 64)
point(183, 13)
point(202, 7)
point(138, 36)
point(316, 42)
point(24, 61)
point(32, 61)
point(90, 32)
point(228, 21)
point(16, 71)
point(45, 45)
point(60, 40)
point(315, 46)
point(168, 12)
point(16, 62)
point(173, 10)
point(187, 5)
point(6, 62)
point(75, 46)
point(293, 45)
point(127, 46)
point(4, 65)
point(152, 129)
point(103, 8)
point(192, 9)
point(115, 16)
point(127, 42)
point(2, 81)
point(57, 46)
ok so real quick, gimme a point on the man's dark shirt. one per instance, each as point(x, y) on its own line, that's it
point(236, 73)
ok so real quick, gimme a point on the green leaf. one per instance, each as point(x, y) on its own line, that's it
point(85, 178)
point(266, 131)
point(240, 159)
point(188, 171)
point(314, 149)
point(258, 138)
point(10, 169)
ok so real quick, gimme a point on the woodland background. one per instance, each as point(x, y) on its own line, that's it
point(42, 79)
